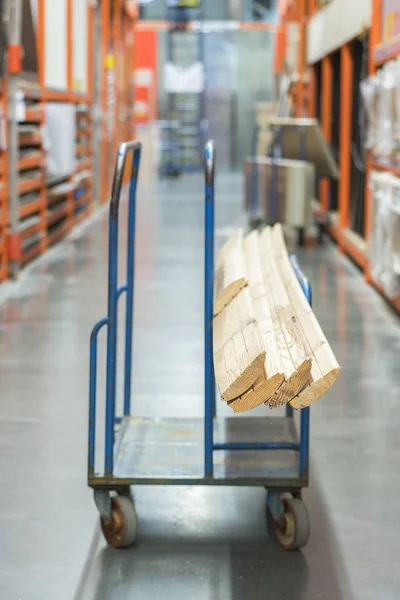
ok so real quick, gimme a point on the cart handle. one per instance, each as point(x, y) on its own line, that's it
point(209, 162)
point(114, 293)
point(110, 320)
point(209, 377)
point(124, 149)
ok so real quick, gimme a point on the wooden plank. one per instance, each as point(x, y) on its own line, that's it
point(291, 344)
point(325, 369)
point(272, 377)
point(230, 275)
point(239, 352)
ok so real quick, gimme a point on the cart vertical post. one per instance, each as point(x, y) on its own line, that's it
point(305, 413)
point(130, 280)
point(209, 381)
point(114, 293)
point(111, 373)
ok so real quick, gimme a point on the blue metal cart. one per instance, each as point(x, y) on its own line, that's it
point(230, 451)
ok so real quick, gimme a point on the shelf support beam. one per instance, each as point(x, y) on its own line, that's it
point(326, 120)
point(14, 41)
point(346, 109)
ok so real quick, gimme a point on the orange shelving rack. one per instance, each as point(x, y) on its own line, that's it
point(3, 184)
point(305, 98)
point(35, 212)
point(381, 51)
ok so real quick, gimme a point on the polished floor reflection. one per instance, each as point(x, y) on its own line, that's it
point(198, 543)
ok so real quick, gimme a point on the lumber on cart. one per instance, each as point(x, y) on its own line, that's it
point(268, 345)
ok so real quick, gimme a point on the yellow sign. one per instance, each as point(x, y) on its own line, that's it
point(109, 62)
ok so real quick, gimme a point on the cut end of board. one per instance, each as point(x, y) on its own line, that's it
point(259, 394)
point(228, 294)
point(315, 391)
point(247, 378)
point(292, 386)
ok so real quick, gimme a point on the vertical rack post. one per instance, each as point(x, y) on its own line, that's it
point(326, 118)
point(14, 70)
point(346, 103)
point(209, 377)
point(95, 84)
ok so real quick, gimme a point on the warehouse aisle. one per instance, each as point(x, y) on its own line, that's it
point(194, 542)
point(211, 544)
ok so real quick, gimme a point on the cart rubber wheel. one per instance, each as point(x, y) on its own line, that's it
point(295, 532)
point(121, 531)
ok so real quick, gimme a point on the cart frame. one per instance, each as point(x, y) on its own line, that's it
point(117, 477)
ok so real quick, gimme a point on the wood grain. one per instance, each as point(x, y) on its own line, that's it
point(292, 346)
point(230, 273)
point(239, 351)
point(325, 368)
point(267, 385)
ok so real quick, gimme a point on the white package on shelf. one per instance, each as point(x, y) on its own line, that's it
point(381, 97)
point(184, 80)
point(395, 227)
point(60, 131)
point(385, 231)
point(384, 138)
point(369, 94)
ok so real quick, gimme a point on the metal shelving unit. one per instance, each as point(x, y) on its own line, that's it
point(3, 194)
point(31, 189)
point(83, 178)
point(331, 87)
point(182, 131)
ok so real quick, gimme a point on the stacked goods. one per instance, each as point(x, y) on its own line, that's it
point(268, 346)
point(381, 95)
point(384, 241)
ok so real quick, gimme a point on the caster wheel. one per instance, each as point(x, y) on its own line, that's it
point(294, 530)
point(121, 531)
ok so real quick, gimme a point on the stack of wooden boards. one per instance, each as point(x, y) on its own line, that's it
point(268, 346)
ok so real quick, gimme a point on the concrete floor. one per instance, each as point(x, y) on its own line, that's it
point(195, 543)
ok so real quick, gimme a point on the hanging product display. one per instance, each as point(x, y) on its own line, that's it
point(381, 95)
point(384, 243)
point(184, 80)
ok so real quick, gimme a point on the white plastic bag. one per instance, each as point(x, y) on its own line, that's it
point(384, 232)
